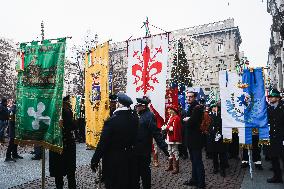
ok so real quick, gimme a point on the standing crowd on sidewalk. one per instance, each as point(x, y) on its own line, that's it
point(130, 138)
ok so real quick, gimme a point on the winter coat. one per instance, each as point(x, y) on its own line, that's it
point(276, 121)
point(11, 122)
point(4, 113)
point(65, 163)
point(194, 139)
point(173, 129)
point(146, 132)
point(214, 133)
point(116, 147)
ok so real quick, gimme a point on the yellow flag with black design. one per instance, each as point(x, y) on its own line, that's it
point(96, 92)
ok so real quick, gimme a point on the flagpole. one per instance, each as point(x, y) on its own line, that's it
point(43, 149)
point(250, 164)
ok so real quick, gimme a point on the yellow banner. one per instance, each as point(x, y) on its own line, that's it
point(96, 92)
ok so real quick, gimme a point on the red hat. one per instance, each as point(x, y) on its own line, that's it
point(173, 108)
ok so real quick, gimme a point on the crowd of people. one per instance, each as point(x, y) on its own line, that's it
point(130, 138)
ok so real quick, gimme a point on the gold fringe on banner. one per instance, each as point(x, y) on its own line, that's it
point(264, 142)
point(246, 146)
point(46, 145)
point(226, 140)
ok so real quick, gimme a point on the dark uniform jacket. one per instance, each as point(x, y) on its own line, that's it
point(276, 121)
point(146, 132)
point(116, 147)
point(214, 129)
point(65, 163)
point(4, 113)
point(194, 139)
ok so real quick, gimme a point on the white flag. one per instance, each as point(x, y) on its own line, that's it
point(147, 70)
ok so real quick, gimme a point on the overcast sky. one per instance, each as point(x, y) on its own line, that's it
point(120, 19)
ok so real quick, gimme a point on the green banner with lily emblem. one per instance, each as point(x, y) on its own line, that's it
point(39, 94)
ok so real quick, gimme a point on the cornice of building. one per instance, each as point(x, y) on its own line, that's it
point(196, 31)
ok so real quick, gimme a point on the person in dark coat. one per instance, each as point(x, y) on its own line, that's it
point(182, 147)
point(276, 121)
point(194, 140)
point(4, 117)
point(215, 143)
point(64, 164)
point(116, 146)
point(143, 147)
point(12, 147)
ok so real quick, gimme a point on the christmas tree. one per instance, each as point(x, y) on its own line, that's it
point(180, 69)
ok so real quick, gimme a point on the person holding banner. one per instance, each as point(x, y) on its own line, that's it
point(65, 164)
point(194, 140)
point(276, 121)
point(116, 146)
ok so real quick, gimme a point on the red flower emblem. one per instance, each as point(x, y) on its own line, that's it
point(143, 70)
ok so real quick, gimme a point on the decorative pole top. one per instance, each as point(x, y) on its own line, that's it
point(42, 31)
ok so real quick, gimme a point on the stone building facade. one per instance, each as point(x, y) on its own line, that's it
point(276, 54)
point(209, 48)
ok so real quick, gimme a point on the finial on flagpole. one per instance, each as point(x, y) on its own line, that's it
point(42, 31)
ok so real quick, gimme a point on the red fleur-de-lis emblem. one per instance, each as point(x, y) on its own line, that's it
point(143, 70)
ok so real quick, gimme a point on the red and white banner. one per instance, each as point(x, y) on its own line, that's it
point(147, 70)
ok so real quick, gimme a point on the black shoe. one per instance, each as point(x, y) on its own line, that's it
point(258, 167)
point(244, 165)
point(10, 159)
point(18, 157)
point(215, 171)
point(275, 180)
point(223, 173)
point(36, 158)
point(190, 183)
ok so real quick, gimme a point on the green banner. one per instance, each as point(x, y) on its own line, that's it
point(39, 94)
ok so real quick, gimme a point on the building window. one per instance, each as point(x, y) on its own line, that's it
point(220, 47)
point(221, 65)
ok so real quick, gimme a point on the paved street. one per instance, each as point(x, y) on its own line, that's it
point(27, 174)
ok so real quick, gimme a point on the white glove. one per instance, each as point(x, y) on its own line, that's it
point(185, 119)
point(164, 127)
point(171, 128)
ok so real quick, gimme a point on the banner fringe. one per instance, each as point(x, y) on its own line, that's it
point(46, 145)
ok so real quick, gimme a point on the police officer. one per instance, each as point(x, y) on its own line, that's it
point(146, 132)
point(116, 145)
point(276, 121)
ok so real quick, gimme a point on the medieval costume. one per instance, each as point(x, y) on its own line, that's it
point(173, 139)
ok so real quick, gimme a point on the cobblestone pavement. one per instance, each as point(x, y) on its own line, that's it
point(160, 178)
